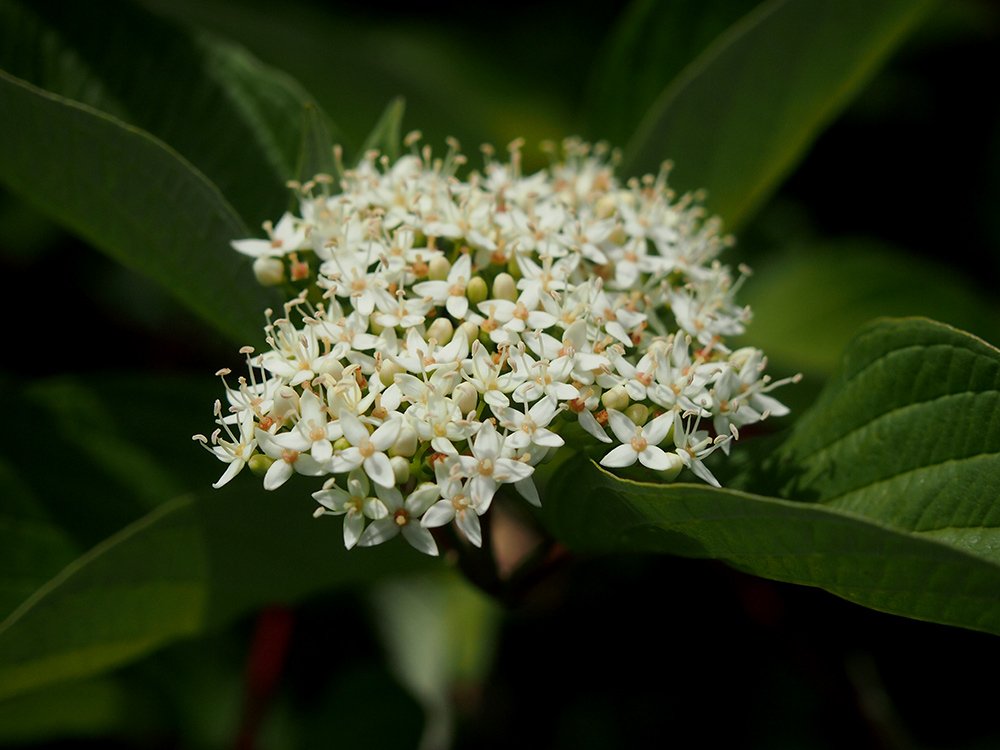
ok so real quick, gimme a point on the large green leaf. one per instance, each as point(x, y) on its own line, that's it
point(737, 119)
point(238, 121)
point(189, 565)
point(650, 45)
point(134, 197)
point(908, 434)
point(32, 547)
point(890, 487)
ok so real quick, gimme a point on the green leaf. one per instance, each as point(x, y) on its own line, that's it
point(648, 48)
point(808, 304)
point(32, 547)
point(890, 486)
point(100, 708)
point(132, 196)
point(387, 135)
point(189, 565)
point(316, 156)
point(908, 434)
point(743, 112)
point(238, 121)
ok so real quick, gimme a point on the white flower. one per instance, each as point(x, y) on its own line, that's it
point(456, 505)
point(355, 505)
point(638, 443)
point(598, 295)
point(529, 428)
point(450, 293)
point(487, 469)
point(367, 449)
point(237, 450)
point(287, 460)
point(288, 236)
point(403, 516)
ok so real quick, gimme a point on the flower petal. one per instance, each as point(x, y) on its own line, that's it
point(420, 539)
point(623, 455)
point(379, 470)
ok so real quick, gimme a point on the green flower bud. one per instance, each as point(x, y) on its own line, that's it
point(286, 402)
point(638, 413)
point(259, 464)
point(466, 397)
point(470, 330)
point(406, 443)
point(400, 469)
point(504, 287)
point(606, 206)
point(438, 268)
point(514, 268)
point(388, 372)
point(615, 398)
point(269, 271)
point(441, 330)
point(341, 444)
point(670, 474)
point(476, 290)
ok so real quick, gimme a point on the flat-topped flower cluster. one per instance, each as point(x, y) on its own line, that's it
point(447, 335)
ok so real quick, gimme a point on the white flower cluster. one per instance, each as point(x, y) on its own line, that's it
point(449, 334)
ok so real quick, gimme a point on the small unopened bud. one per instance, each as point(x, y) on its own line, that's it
point(606, 205)
point(466, 397)
point(504, 287)
point(670, 473)
point(388, 371)
point(615, 398)
point(470, 330)
point(269, 271)
point(259, 464)
point(341, 444)
point(476, 290)
point(441, 330)
point(400, 469)
point(638, 413)
point(286, 401)
point(406, 443)
point(514, 268)
point(438, 268)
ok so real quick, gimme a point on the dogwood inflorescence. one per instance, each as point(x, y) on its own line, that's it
point(447, 335)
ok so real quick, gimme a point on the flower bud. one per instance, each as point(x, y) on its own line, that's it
point(400, 469)
point(388, 371)
point(615, 398)
point(514, 268)
point(504, 287)
point(470, 330)
point(269, 271)
point(466, 397)
point(286, 401)
point(670, 473)
point(476, 290)
point(441, 330)
point(341, 444)
point(406, 443)
point(438, 268)
point(259, 464)
point(606, 205)
point(638, 413)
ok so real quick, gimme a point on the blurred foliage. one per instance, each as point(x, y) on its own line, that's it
point(889, 209)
